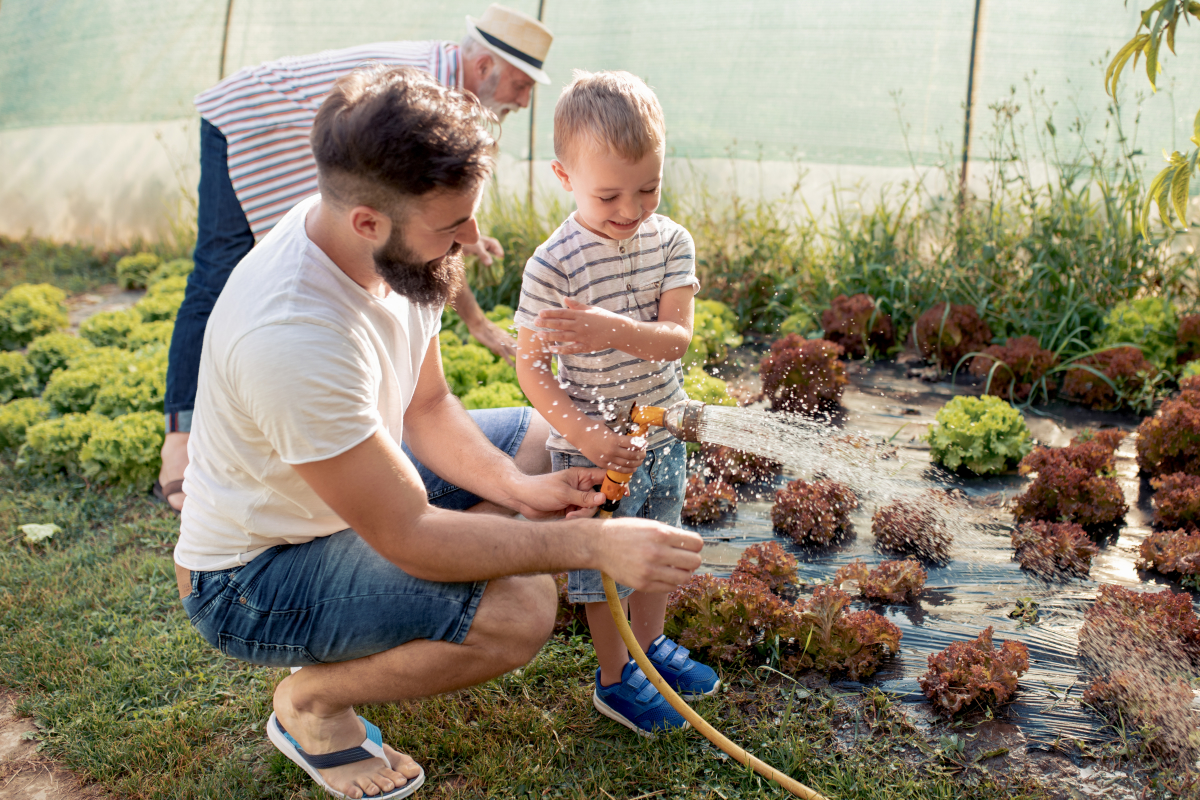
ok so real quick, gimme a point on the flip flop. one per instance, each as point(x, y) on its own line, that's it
point(163, 492)
point(372, 747)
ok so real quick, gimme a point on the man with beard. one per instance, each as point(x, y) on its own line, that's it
point(309, 538)
point(256, 164)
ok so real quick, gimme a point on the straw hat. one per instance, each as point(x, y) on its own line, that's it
point(517, 38)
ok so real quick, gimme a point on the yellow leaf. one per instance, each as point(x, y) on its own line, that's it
point(1179, 190)
point(1196, 130)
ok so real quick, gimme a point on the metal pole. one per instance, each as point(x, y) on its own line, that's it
point(975, 53)
point(532, 117)
point(225, 38)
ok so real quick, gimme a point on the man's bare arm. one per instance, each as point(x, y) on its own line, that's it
point(377, 491)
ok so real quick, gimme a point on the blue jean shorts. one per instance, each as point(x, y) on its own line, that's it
point(336, 599)
point(655, 492)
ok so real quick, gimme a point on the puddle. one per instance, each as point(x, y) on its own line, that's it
point(982, 582)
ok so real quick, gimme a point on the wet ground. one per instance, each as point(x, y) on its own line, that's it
point(982, 583)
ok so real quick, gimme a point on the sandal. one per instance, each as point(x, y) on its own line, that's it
point(372, 747)
point(163, 492)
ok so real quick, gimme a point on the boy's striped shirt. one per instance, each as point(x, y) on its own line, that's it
point(266, 114)
point(626, 277)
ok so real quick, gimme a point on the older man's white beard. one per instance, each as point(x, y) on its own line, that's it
point(487, 95)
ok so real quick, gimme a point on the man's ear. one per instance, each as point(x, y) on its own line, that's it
point(370, 224)
point(483, 66)
point(561, 173)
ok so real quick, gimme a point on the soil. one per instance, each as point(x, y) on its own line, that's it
point(27, 775)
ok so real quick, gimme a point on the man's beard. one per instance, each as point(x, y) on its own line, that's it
point(431, 283)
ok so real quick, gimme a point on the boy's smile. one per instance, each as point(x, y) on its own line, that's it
point(613, 195)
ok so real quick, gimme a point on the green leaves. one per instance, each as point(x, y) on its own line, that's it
point(982, 434)
point(1169, 189)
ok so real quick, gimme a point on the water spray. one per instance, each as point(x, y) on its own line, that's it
point(682, 421)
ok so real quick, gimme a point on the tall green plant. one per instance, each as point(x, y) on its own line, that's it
point(1169, 189)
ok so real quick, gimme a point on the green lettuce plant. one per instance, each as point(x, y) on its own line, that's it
point(1149, 323)
point(110, 328)
point(28, 311)
point(53, 446)
point(162, 300)
point(178, 267)
point(125, 451)
point(16, 417)
point(150, 334)
point(699, 385)
point(714, 332)
point(982, 434)
point(139, 385)
point(17, 377)
point(494, 395)
point(51, 352)
point(74, 388)
point(134, 271)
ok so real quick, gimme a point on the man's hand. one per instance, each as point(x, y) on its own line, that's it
point(568, 493)
point(484, 250)
point(494, 338)
point(647, 555)
point(606, 449)
point(580, 328)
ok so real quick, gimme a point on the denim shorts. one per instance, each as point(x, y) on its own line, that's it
point(336, 599)
point(655, 492)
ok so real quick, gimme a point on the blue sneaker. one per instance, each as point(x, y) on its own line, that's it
point(635, 703)
point(691, 679)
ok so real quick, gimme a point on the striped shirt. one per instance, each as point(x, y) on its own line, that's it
point(626, 277)
point(266, 114)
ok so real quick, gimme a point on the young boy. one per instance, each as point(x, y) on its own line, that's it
point(610, 294)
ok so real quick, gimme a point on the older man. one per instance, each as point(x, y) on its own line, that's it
point(309, 539)
point(256, 164)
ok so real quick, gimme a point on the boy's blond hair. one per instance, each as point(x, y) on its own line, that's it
point(613, 111)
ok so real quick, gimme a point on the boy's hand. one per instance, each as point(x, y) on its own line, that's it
point(608, 450)
point(580, 328)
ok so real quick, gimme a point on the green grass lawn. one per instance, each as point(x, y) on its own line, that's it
point(93, 637)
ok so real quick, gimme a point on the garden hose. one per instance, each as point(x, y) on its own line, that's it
point(613, 489)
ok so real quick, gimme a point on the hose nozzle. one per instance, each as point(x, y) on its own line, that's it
point(681, 420)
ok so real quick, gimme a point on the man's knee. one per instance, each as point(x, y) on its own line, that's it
point(516, 617)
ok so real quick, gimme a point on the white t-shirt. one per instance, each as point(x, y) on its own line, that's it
point(299, 364)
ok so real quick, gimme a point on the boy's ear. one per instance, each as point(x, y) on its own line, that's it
point(561, 173)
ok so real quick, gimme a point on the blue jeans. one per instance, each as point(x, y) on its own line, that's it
point(656, 491)
point(223, 238)
point(334, 598)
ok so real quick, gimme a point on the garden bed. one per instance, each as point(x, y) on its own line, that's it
point(982, 583)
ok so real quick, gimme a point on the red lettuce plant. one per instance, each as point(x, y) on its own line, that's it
point(736, 467)
point(1015, 368)
point(1177, 501)
point(914, 525)
point(1125, 366)
point(705, 503)
point(813, 513)
point(1050, 548)
point(826, 638)
point(966, 672)
point(944, 338)
point(772, 565)
point(1173, 553)
point(802, 375)
point(1160, 707)
point(1187, 340)
point(1170, 440)
point(571, 616)
point(724, 617)
point(1074, 483)
point(890, 582)
point(856, 325)
point(1124, 626)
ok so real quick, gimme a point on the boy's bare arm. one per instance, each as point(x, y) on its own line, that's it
point(580, 328)
point(597, 443)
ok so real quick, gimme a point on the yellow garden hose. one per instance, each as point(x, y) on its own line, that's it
point(613, 489)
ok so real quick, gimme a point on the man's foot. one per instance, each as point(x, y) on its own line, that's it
point(174, 462)
point(344, 731)
point(636, 704)
point(689, 678)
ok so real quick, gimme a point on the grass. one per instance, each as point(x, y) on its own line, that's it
point(93, 638)
point(75, 268)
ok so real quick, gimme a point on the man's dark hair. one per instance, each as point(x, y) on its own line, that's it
point(385, 134)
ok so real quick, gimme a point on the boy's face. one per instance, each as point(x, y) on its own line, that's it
point(614, 196)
